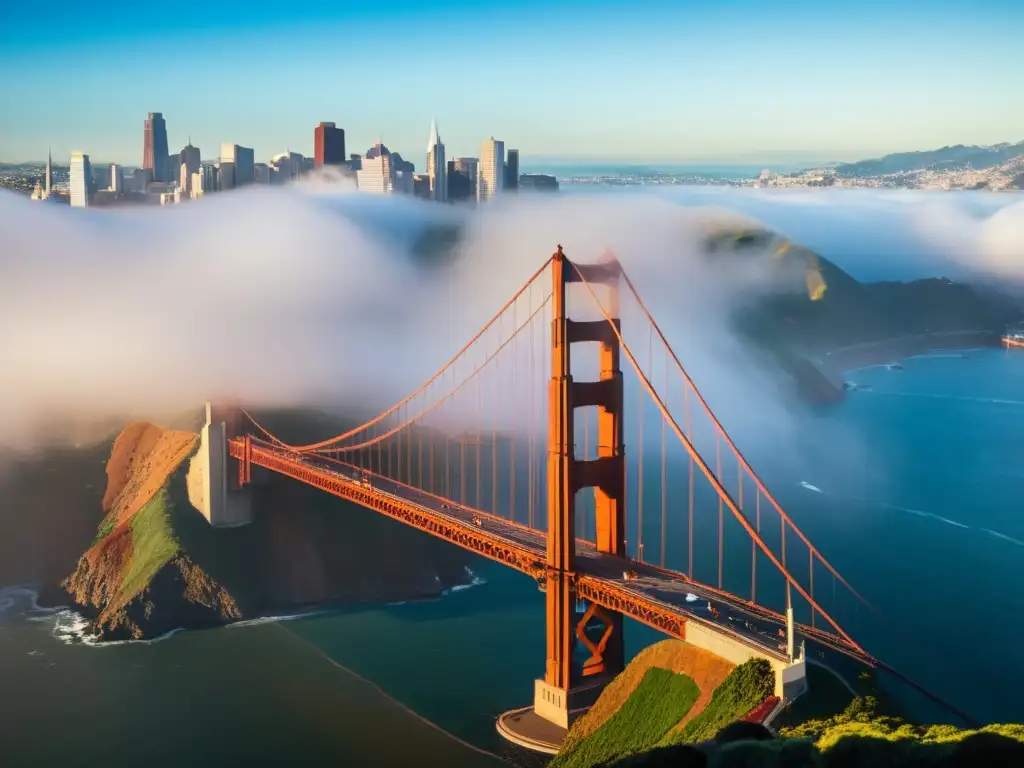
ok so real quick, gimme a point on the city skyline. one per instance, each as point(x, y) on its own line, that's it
point(681, 83)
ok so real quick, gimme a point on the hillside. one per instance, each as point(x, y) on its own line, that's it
point(946, 158)
point(672, 692)
point(815, 320)
point(649, 715)
point(155, 564)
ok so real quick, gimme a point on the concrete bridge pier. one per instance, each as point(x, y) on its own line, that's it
point(212, 487)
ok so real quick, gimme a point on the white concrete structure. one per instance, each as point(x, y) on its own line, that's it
point(81, 180)
point(490, 180)
point(437, 166)
point(207, 479)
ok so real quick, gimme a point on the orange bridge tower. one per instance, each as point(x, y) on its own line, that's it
point(570, 685)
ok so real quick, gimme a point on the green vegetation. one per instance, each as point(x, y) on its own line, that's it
point(660, 701)
point(105, 528)
point(745, 687)
point(153, 545)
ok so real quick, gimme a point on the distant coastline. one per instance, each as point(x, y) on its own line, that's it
point(871, 353)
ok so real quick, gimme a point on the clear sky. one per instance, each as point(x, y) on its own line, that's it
point(650, 80)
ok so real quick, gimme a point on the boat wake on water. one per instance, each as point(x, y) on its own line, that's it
point(917, 513)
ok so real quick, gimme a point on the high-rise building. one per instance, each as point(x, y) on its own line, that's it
point(116, 179)
point(203, 181)
point(512, 170)
point(384, 173)
point(261, 173)
point(49, 172)
point(286, 166)
point(376, 176)
point(243, 163)
point(154, 153)
point(470, 168)
point(490, 178)
point(437, 168)
point(190, 161)
point(81, 180)
point(328, 145)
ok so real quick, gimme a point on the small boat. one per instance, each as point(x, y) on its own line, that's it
point(895, 366)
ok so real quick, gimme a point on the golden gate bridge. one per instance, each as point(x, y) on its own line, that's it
point(480, 457)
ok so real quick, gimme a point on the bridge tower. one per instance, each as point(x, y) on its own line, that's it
point(569, 687)
point(216, 492)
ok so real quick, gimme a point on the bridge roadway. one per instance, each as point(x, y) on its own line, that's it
point(663, 599)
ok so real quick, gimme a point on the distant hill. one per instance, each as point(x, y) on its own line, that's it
point(821, 320)
point(945, 159)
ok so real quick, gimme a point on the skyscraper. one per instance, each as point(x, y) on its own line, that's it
point(116, 179)
point(189, 164)
point(491, 174)
point(328, 145)
point(242, 160)
point(512, 170)
point(81, 180)
point(49, 172)
point(437, 168)
point(154, 155)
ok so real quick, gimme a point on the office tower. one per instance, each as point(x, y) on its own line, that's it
point(328, 145)
point(141, 179)
point(490, 178)
point(101, 178)
point(154, 154)
point(376, 175)
point(468, 167)
point(203, 181)
point(49, 173)
point(116, 179)
point(173, 169)
point(225, 175)
point(437, 168)
point(460, 186)
point(81, 180)
point(261, 173)
point(190, 161)
point(242, 160)
point(512, 170)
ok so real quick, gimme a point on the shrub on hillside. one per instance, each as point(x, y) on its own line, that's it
point(744, 688)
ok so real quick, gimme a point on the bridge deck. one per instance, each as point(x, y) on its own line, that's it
point(663, 599)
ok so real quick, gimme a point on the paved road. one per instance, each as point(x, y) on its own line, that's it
point(673, 591)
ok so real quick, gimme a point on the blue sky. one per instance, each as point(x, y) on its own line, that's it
point(746, 81)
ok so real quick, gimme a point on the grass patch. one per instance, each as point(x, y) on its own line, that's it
point(745, 687)
point(105, 528)
point(660, 701)
point(153, 545)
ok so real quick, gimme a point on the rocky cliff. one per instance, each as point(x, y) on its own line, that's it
point(156, 565)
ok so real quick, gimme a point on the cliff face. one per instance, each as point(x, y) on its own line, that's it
point(135, 581)
point(156, 564)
